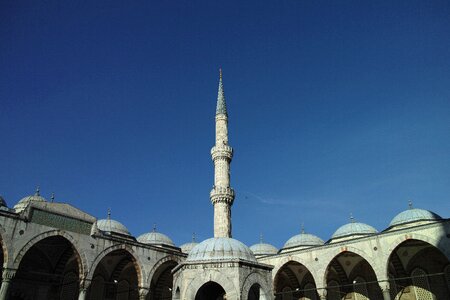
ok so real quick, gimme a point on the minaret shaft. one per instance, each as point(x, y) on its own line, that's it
point(222, 195)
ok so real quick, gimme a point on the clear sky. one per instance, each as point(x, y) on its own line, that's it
point(335, 107)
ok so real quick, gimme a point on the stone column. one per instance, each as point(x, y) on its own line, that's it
point(82, 295)
point(7, 276)
point(385, 288)
point(143, 292)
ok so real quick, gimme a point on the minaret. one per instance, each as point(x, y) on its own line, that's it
point(222, 195)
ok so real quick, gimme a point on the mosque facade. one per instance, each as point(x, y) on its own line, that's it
point(52, 250)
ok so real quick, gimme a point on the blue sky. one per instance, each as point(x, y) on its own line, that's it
point(335, 107)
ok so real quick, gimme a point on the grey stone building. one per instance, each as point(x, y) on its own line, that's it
point(53, 250)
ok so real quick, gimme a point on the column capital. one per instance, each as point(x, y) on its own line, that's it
point(8, 274)
point(143, 291)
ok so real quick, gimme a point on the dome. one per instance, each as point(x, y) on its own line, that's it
point(354, 228)
point(186, 248)
point(24, 202)
point(303, 240)
point(220, 249)
point(108, 225)
point(155, 238)
point(414, 215)
point(263, 249)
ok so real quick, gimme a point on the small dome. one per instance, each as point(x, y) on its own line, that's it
point(186, 248)
point(414, 215)
point(303, 240)
point(214, 249)
point(108, 225)
point(263, 249)
point(155, 238)
point(354, 228)
point(24, 202)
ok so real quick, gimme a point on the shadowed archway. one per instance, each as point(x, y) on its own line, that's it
point(350, 276)
point(115, 277)
point(417, 269)
point(48, 270)
point(294, 281)
point(210, 291)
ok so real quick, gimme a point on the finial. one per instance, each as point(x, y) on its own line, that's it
point(109, 213)
point(261, 238)
point(410, 205)
point(193, 237)
point(303, 228)
point(352, 220)
point(154, 227)
point(38, 190)
point(220, 73)
point(53, 197)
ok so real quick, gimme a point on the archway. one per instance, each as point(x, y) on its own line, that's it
point(417, 271)
point(210, 291)
point(162, 281)
point(350, 276)
point(115, 277)
point(48, 270)
point(294, 281)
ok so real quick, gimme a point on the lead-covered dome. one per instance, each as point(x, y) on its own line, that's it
point(222, 248)
point(261, 249)
point(354, 229)
point(303, 240)
point(155, 238)
point(24, 202)
point(413, 215)
point(108, 225)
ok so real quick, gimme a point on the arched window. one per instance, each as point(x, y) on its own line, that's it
point(421, 285)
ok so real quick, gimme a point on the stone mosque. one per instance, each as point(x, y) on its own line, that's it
point(52, 250)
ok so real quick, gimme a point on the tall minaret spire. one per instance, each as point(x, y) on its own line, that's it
point(222, 195)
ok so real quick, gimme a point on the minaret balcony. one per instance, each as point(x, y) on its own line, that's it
point(222, 194)
point(223, 151)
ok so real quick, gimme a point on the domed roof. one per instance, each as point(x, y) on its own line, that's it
point(263, 249)
point(155, 238)
point(108, 225)
point(354, 228)
point(414, 215)
point(222, 248)
point(23, 203)
point(303, 240)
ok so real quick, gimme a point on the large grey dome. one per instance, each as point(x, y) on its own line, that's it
point(352, 229)
point(414, 215)
point(263, 249)
point(108, 225)
point(303, 240)
point(222, 248)
point(155, 238)
point(24, 202)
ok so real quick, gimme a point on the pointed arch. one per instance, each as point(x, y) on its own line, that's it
point(81, 256)
point(136, 261)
